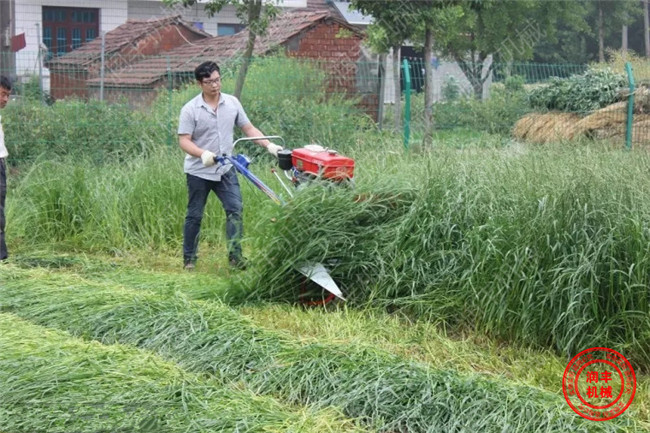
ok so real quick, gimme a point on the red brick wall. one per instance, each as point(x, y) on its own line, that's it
point(68, 84)
point(339, 51)
point(339, 55)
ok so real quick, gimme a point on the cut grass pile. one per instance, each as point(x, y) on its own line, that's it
point(381, 390)
point(53, 383)
point(548, 248)
point(425, 342)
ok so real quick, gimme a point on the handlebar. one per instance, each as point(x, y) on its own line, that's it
point(263, 137)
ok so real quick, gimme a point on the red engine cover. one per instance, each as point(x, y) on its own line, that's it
point(326, 163)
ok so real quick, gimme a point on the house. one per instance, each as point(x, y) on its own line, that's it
point(124, 45)
point(317, 35)
point(55, 27)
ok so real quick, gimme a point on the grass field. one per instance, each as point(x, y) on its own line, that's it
point(474, 270)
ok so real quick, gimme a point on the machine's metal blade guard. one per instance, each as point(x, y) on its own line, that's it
point(319, 275)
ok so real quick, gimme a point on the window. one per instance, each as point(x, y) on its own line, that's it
point(65, 29)
point(229, 29)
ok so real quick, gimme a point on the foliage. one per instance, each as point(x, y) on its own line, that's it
point(450, 89)
point(255, 14)
point(617, 61)
point(52, 382)
point(582, 93)
point(522, 246)
point(497, 114)
point(378, 389)
point(90, 129)
point(31, 91)
point(393, 22)
point(508, 31)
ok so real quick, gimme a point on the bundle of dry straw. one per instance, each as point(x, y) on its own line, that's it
point(608, 122)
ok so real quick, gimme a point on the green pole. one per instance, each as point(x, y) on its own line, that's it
point(407, 103)
point(630, 106)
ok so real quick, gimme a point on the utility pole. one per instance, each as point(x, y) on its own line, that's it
point(646, 27)
point(7, 30)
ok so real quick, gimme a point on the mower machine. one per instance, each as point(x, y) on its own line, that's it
point(302, 165)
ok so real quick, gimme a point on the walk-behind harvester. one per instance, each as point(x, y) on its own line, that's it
point(300, 166)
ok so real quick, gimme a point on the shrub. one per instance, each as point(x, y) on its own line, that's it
point(582, 93)
point(450, 89)
point(94, 130)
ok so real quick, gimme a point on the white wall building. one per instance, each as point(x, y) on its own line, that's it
point(61, 25)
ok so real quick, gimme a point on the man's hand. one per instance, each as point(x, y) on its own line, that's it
point(273, 149)
point(208, 158)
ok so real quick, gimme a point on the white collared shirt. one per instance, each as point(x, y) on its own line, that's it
point(211, 130)
point(3, 149)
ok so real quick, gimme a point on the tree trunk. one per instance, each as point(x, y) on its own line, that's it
point(473, 72)
point(254, 11)
point(601, 34)
point(428, 86)
point(397, 113)
point(646, 27)
point(624, 41)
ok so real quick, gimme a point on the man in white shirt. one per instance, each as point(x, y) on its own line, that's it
point(205, 130)
point(5, 91)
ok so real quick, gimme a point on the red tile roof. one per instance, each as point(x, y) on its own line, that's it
point(184, 59)
point(116, 40)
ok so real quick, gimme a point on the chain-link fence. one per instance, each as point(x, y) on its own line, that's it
point(535, 102)
point(119, 103)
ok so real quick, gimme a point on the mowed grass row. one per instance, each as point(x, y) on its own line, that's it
point(51, 382)
point(381, 390)
point(548, 247)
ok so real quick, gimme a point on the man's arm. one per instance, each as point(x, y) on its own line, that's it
point(251, 131)
point(188, 146)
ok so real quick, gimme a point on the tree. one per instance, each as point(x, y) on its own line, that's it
point(255, 14)
point(504, 30)
point(608, 18)
point(393, 23)
point(401, 20)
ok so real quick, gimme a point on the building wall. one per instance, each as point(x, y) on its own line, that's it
point(339, 53)
point(29, 13)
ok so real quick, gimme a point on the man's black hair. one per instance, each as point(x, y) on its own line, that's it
point(205, 69)
point(5, 82)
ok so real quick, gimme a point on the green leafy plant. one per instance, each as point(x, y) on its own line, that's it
point(582, 93)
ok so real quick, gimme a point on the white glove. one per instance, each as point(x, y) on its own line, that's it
point(208, 158)
point(273, 149)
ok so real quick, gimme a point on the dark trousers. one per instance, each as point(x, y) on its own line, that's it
point(3, 195)
point(228, 192)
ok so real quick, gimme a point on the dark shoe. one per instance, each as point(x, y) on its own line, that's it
point(238, 263)
point(189, 266)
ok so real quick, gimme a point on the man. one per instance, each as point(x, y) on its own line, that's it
point(205, 130)
point(5, 91)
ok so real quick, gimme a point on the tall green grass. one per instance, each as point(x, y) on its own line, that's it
point(283, 96)
point(546, 247)
point(52, 382)
point(380, 390)
point(113, 207)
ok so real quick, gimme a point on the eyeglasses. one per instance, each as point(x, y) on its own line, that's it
point(211, 82)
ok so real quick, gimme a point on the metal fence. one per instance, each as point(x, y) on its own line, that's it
point(147, 88)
